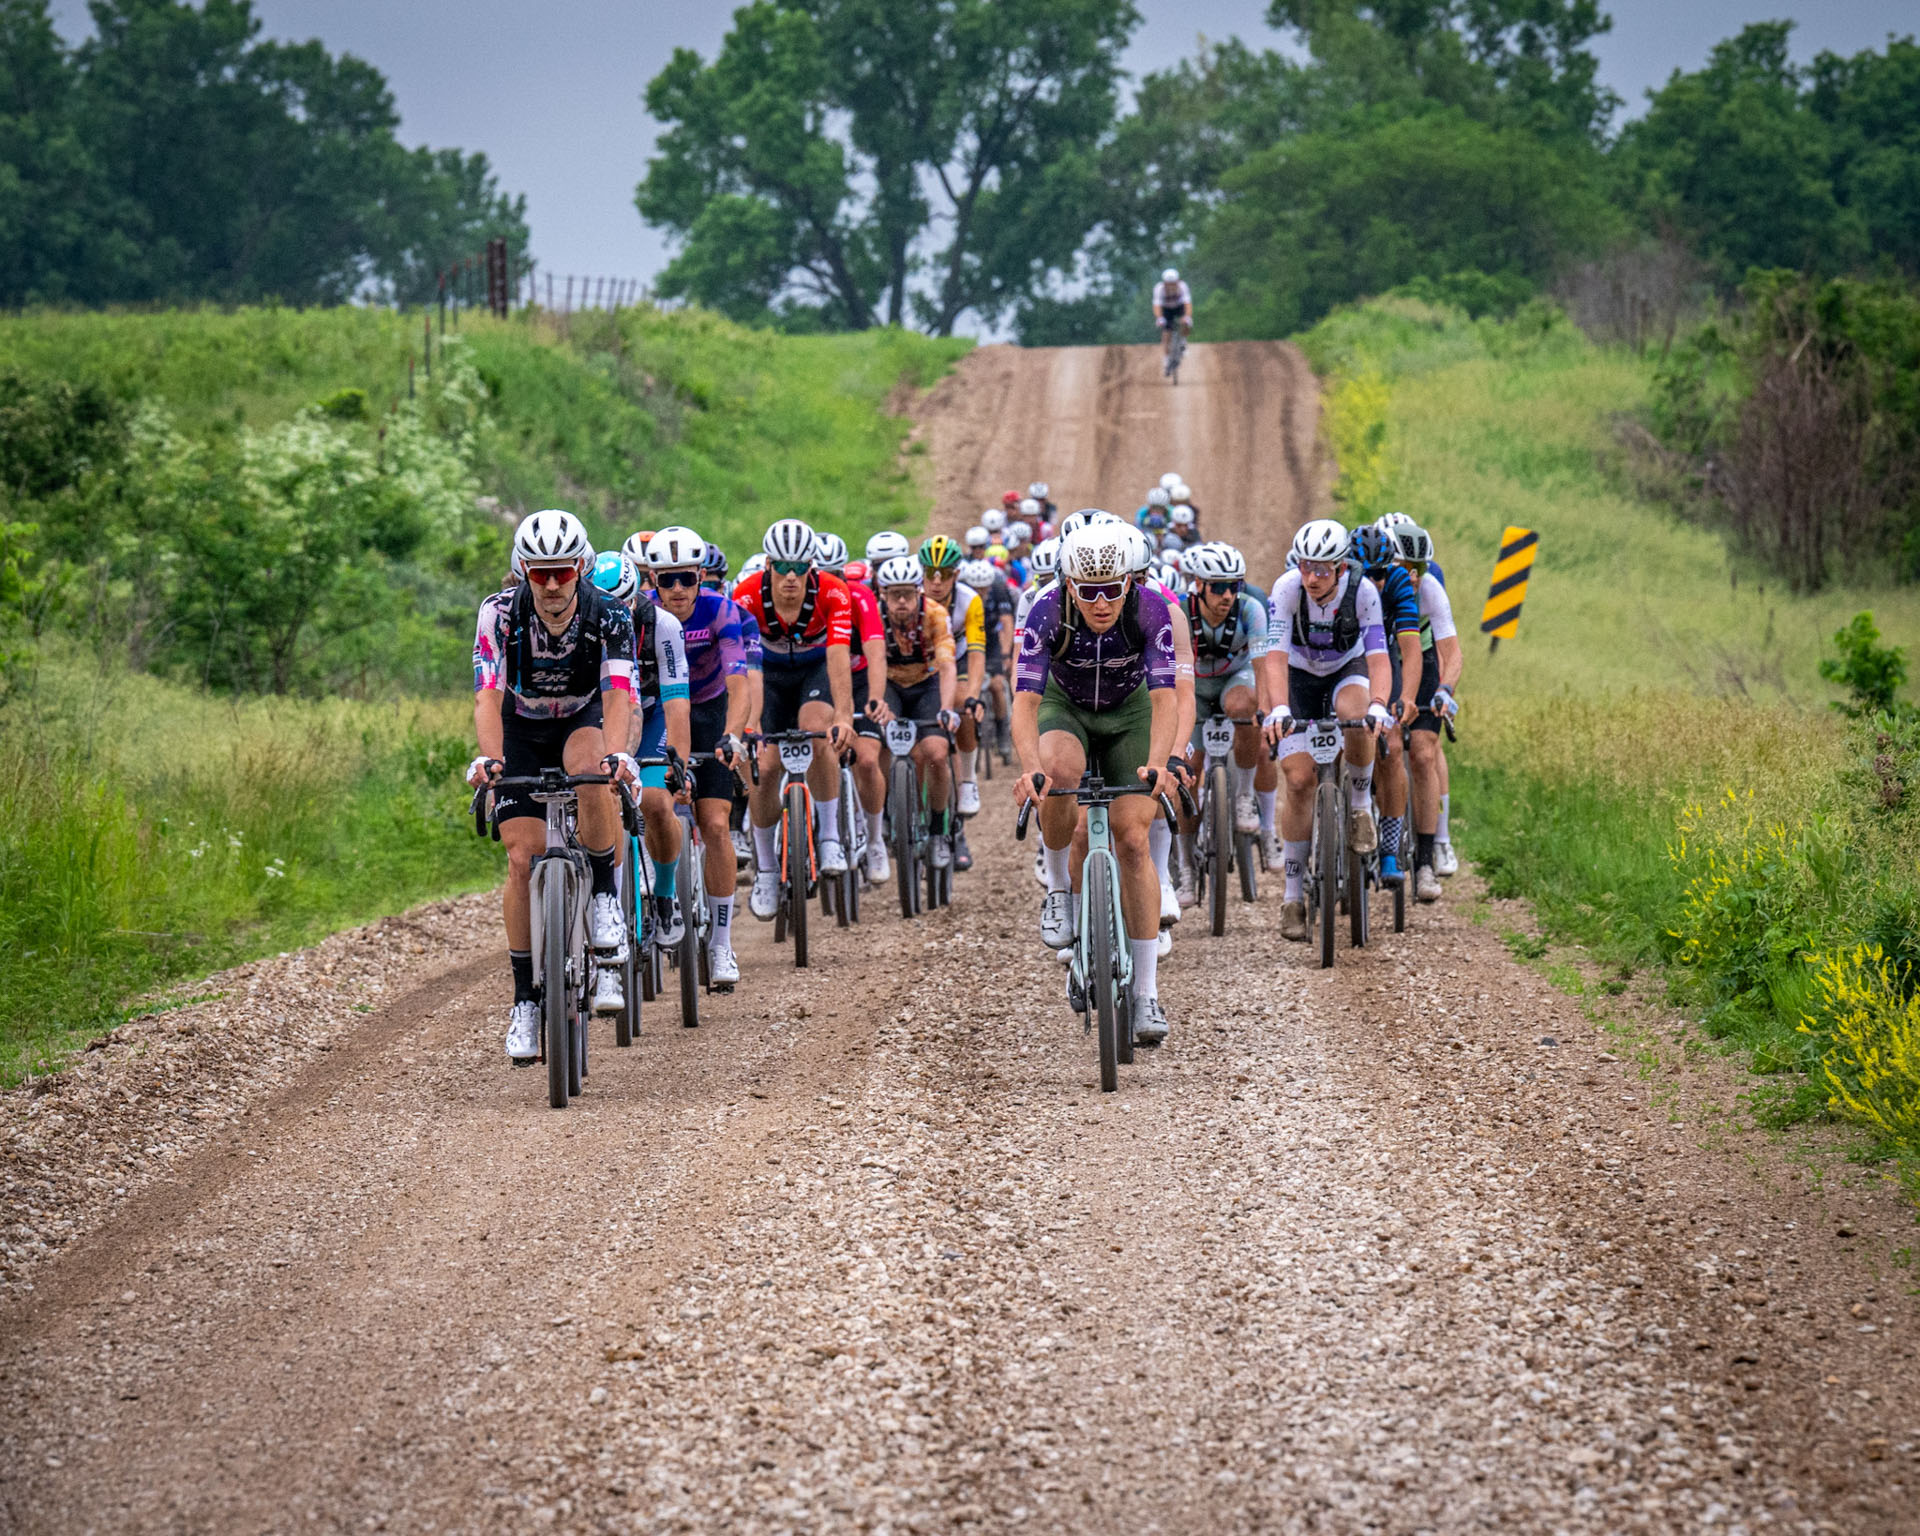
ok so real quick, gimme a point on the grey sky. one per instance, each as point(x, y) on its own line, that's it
point(552, 93)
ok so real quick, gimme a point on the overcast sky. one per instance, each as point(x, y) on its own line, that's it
point(552, 92)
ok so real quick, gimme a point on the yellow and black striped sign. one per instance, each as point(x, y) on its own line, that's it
point(1501, 617)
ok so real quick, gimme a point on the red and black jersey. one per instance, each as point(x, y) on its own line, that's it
point(825, 619)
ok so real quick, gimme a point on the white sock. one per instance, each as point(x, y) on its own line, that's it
point(1242, 780)
point(766, 848)
point(1362, 792)
point(1159, 840)
point(829, 813)
point(1267, 799)
point(1146, 967)
point(1441, 834)
point(720, 916)
point(876, 829)
point(963, 767)
point(1059, 867)
point(1295, 856)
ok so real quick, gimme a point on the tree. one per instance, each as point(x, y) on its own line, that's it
point(806, 169)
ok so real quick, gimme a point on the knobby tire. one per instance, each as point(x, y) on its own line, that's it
point(799, 862)
point(1326, 837)
point(1101, 965)
point(687, 883)
point(900, 826)
point(556, 1008)
point(1220, 831)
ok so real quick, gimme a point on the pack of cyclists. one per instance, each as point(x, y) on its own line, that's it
point(1075, 643)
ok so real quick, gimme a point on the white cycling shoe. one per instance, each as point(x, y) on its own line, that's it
point(1271, 851)
point(608, 995)
point(1444, 863)
point(1149, 1021)
point(833, 856)
point(1169, 904)
point(1426, 884)
point(1246, 813)
point(669, 928)
point(523, 1034)
point(765, 900)
point(1186, 890)
point(969, 799)
point(879, 867)
point(1163, 943)
point(1366, 836)
point(940, 850)
point(723, 971)
point(742, 849)
point(607, 926)
point(1058, 915)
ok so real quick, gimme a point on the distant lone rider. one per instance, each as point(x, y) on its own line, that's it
point(1172, 305)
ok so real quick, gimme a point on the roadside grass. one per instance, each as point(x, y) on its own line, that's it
point(150, 833)
point(1650, 762)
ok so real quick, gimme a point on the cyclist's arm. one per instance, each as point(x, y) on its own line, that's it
point(1186, 704)
point(840, 682)
point(874, 648)
point(1409, 642)
point(976, 646)
point(488, 729)
point(1165, 730)
point(739, 702)
point(619, 720)
point(1280, 636)
point(1438, 608)
point(1451, 660)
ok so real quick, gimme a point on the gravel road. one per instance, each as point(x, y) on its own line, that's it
point(1397, 1247)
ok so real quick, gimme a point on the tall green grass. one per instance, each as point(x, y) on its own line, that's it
point(1650, 761)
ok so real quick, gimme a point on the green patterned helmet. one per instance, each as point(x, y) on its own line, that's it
point(941, 553)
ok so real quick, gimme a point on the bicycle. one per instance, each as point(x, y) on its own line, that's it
point(908, 827)
point(799, 859)
point(688, 957)
point(1218, 847)
point(840, 894)
point(1176, 350)
point(1336, 875)
point(557, 893)
point(1100, 970)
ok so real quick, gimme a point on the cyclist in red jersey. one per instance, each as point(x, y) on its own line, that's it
point(869, 652)
point(806, 633)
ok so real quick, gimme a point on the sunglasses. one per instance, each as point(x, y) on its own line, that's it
point(1318, 568)
point(664, 579)
point(552, 575)
point(1224, 588)
point(1100, 591)
point(789, 567)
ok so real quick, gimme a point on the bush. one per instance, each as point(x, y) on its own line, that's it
point(1866, 1016)
point(1872, 674)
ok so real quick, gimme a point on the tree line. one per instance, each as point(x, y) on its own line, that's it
point(176, 156)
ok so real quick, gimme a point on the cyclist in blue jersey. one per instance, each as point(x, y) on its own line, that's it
point(553, 669)
point(1375, 552)
point(1439, 676)
point(1094, 686)
point(719, 697)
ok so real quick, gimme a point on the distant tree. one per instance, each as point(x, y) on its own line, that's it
point(854, 162)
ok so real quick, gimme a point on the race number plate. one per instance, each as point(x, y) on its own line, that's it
point(1323, 744)
point(901, 736)
point(1217, 736)
point(796, 756)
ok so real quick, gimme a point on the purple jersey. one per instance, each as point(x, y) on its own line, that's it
point(1098, 672)
point(715, 651)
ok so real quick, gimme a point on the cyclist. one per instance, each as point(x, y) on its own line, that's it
point(719, 696)
point(1172, 305)
point(1049, 513)
point(1182, 532)
point(553, 686)
point(999, 603)
point(1095, 688)
point(1232, 675)
point(869, 653)
point(1375, 553)
point(1440, 665)
point(660, 721)
point(1160, 836)
point(1326, 619)
point(1179, 497)
point(1444, 861)
point(921, 678)
point(884, 545)
point(805, 619)
point(967, 614)
point(976, 540)
point(1044, 568)
point(1152, 516)
point(995, 522)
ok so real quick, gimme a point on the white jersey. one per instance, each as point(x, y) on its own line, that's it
point(669, 658)
point(1436, 611)
point(1318, 650)
point(1176, 293)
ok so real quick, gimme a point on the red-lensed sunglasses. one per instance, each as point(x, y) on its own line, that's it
point(552, 575)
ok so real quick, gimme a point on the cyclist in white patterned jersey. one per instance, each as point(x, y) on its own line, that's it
point(940, 559)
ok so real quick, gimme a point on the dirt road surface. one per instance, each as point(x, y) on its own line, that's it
point(1397, 1247)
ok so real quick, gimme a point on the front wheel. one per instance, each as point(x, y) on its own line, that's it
point(688, 883)
point(798, 859)
point(1326, 853)
point(900, 826)
point(1220, 835)
point(1358, 898)
point(1103, 968)
point(556, 1006)
point(1246, 852)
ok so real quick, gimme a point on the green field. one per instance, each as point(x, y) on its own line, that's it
point(1651, 761)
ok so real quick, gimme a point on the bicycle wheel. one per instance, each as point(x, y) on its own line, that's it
point(1246, 853)
point(626, 1023)
point(799, 863)
point(933, 870)
point(556, 1007)
point(1358, 897)
point(1101, 966)
point(1326, 853)
point(689, 947)
point(1220, 833)
point(900, 828)
point(577, 1056)
point(1400, 904)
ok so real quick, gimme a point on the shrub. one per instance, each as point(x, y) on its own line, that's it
point(1872, 673)
point(1867, 1016)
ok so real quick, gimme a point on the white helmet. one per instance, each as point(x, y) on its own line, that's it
point(1096, 552)
point(551, 538)
point(976, 537)
point(978, 574)
point(1182, 516)
point(1391, 523)
point(829, 551)
point(1180, 493)
point(1140, 550)
point(1214, 562)
point(1322, 539)
point(884, 545)
point(1170, 479)
point(672, 548)
point(993, 520)
point(789, 539)
point(1045, 559)
point(1038, 491)
point(1157, 497)
point(1029, 508)
point(753, 566)
point(1019, 533)
point(1171, 275)
point(898, 571)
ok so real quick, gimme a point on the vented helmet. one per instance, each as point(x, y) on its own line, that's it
point(1030, 508)
point(1097, 552)
point(1321, 540)
point(1414, 542)
point(898, 571)
point(552, 538)
point(1373, 547)
point(1157, 497)
point(755, 564)
point(1019, 533)
point(977, 537)
point(675, 548)
point(993, 519)
point(1214, 562)
point(1045, 559)
point(1038, 490)
point(1392, 522)
point(885, 544)
point(940, 553)
point(789, 539)
point(613, 574)
point(1170, 479)
point(829, 551)
point(978, 574)
point(1180, 494)
point(1182, 516)
point(716, 562)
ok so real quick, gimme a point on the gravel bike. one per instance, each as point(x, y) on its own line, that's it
point(840, 894)
point(688, 957)
point(558, 889)
point(1219, 848)
point(799, 856)
point(909, 826)
point(1100, 965)
point(1176, 351)
point(1337, 878)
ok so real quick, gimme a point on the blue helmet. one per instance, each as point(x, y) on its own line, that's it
point(613, 574)
point(715, 565)
point(1374, 548)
